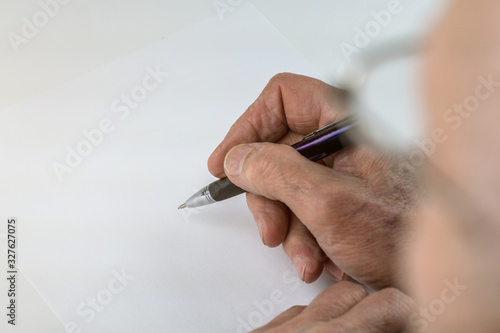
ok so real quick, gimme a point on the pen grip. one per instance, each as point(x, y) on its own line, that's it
point(223, 189)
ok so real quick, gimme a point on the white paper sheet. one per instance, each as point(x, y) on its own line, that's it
point(116, 214)
point(32, 313)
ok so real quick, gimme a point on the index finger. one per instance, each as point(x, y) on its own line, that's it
point(289, 104)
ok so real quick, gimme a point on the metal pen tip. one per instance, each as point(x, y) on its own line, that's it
point(182, 206)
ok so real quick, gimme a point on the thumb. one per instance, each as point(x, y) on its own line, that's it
point(278, 172)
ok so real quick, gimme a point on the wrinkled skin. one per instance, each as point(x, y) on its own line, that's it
point(345, 215)
point(346, 307)
point(310, 208)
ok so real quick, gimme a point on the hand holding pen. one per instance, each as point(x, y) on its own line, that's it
point(339, 216)
point(316, 146)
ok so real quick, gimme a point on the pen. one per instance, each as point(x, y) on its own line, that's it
point(315, 146)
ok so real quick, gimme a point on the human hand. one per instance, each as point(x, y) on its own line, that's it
point(347, 307)
point(347, 215)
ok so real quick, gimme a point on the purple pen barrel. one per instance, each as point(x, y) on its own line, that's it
point(327, 140)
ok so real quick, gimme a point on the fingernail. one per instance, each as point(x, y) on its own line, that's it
point(233, 162)
point(301, 266)
point(303, 275)
point(261, 232)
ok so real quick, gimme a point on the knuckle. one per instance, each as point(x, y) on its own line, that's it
point(392, 296)
point(276, 168)
point(325, 195)
point(281, 329)
point(264, 172)
point(342, 202)
point(260, 165)
point(306, 184)
point(317, 253)
point(281, 77)
point(355, 289)
point(394, 304)
point(335, 326)
point(294, 310)
point(317, 314)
